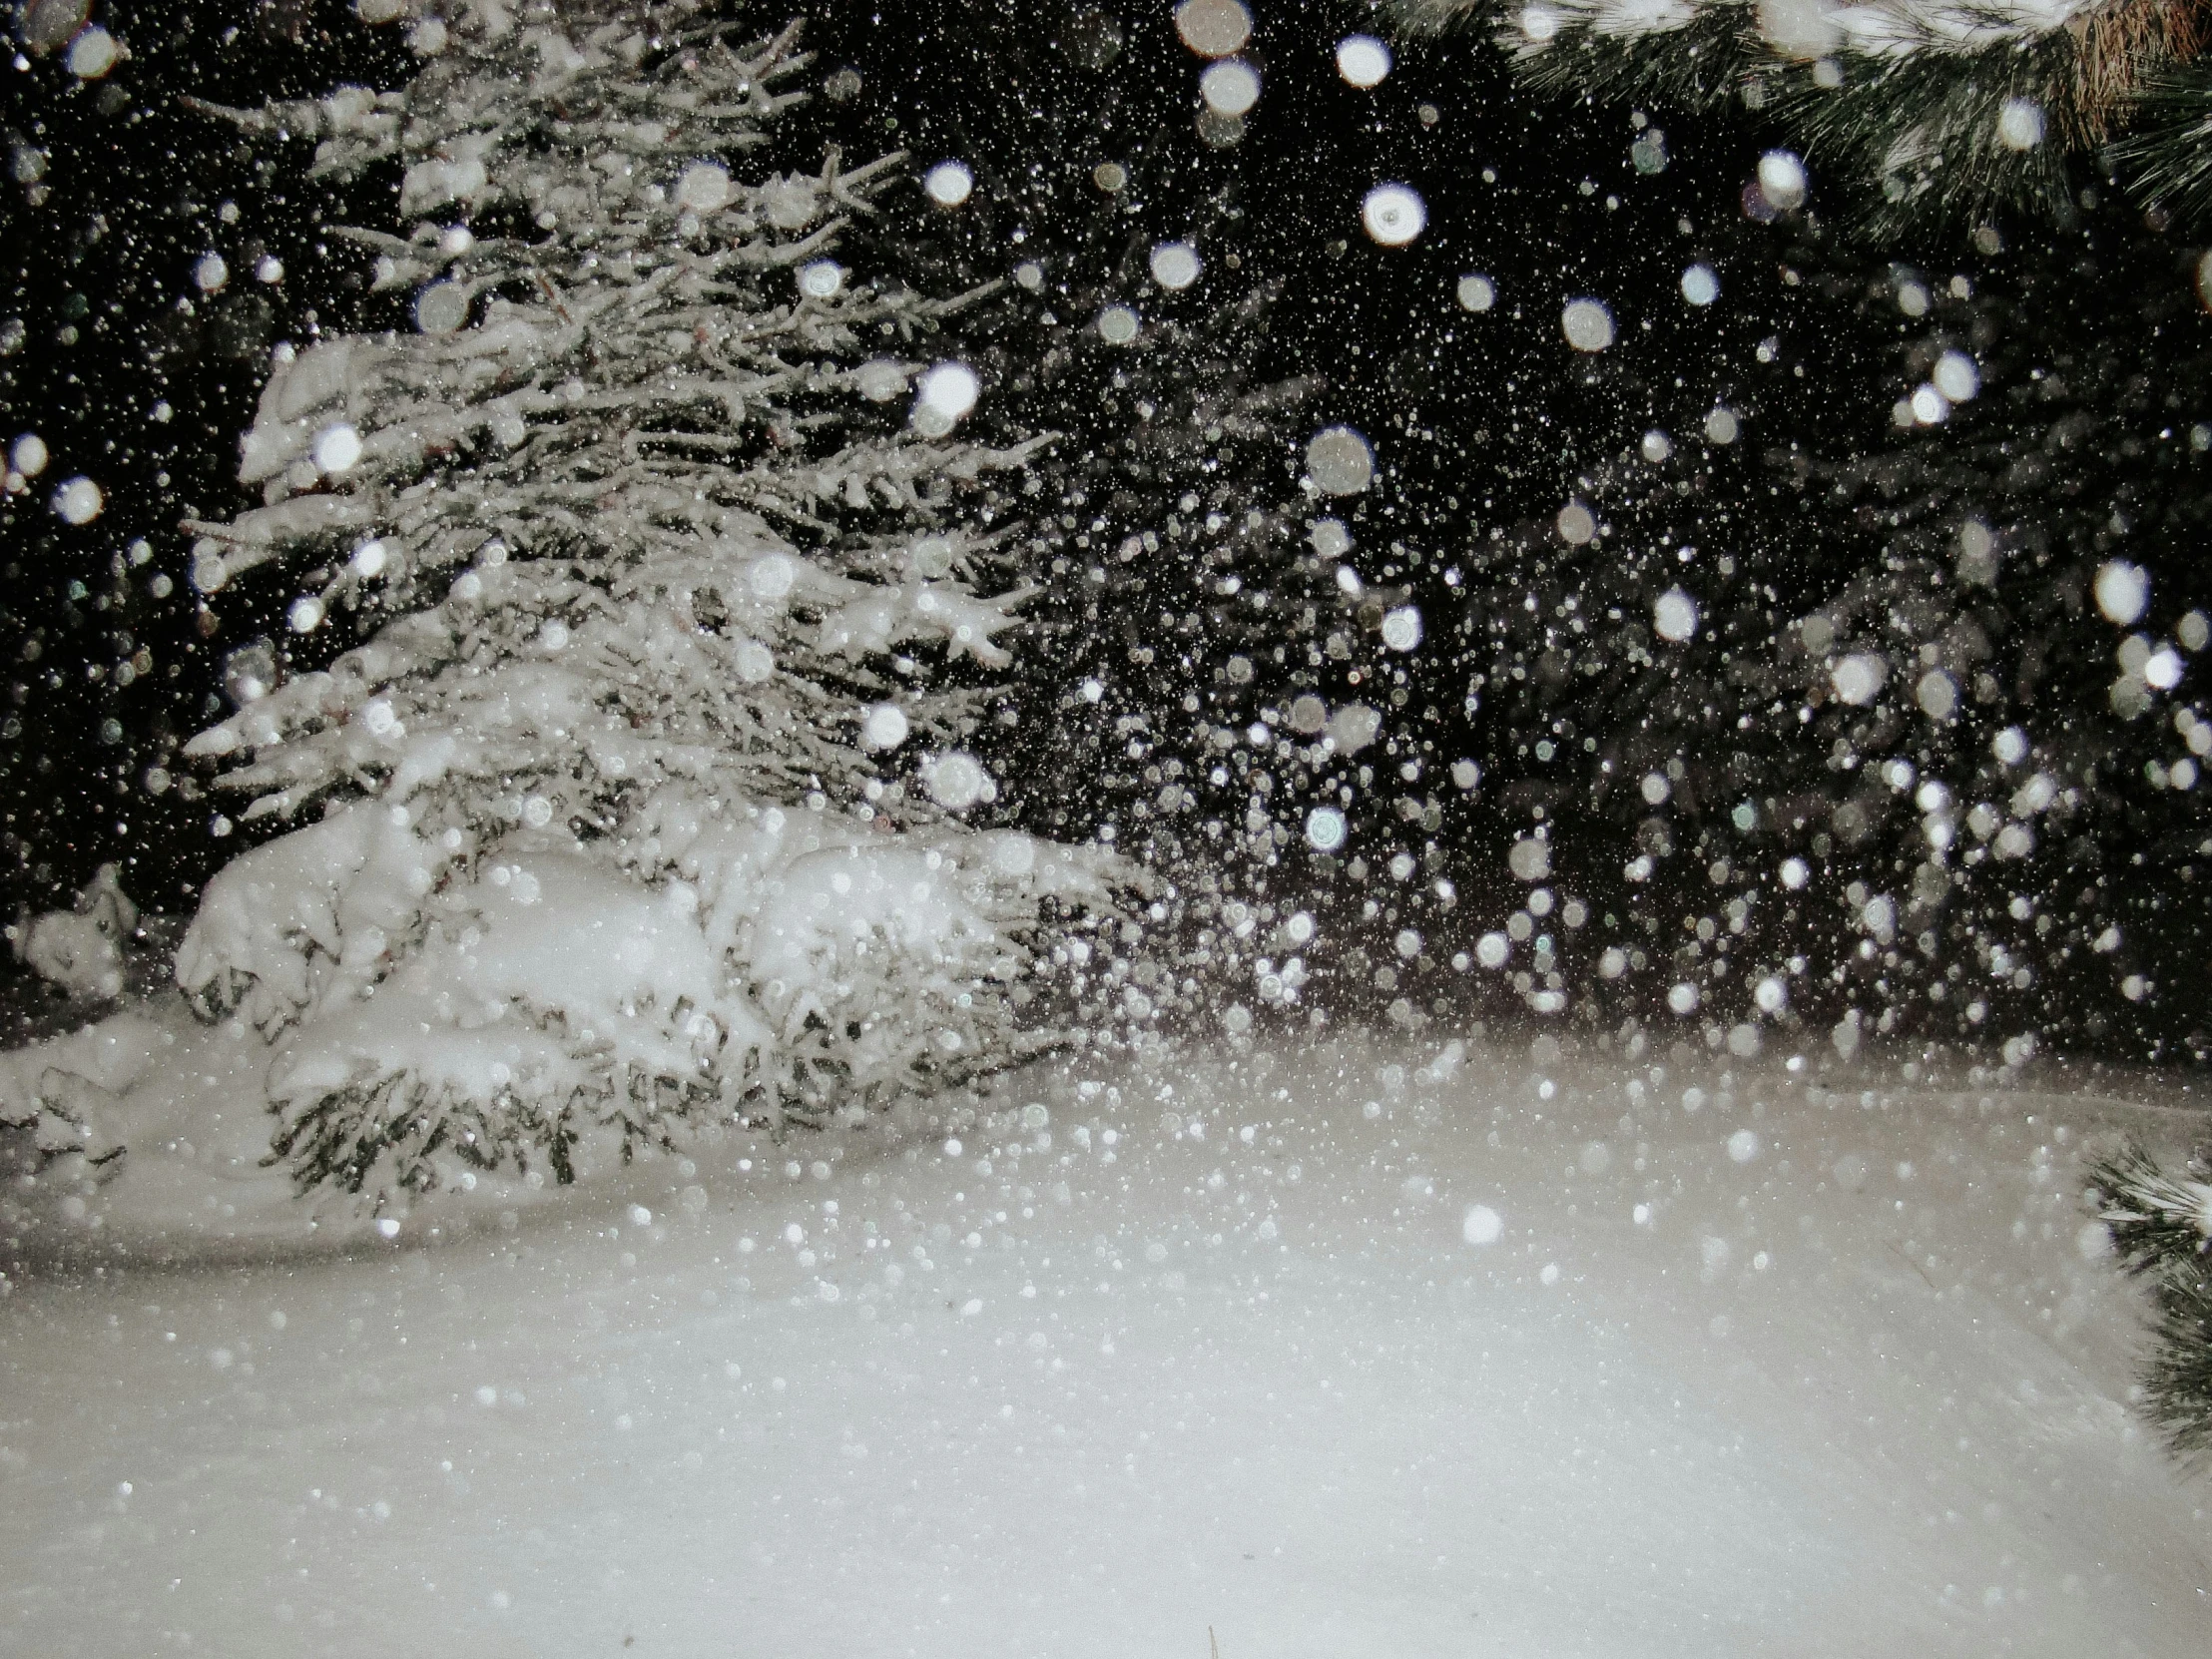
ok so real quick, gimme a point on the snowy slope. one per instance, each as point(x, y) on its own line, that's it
point(1209, 1349)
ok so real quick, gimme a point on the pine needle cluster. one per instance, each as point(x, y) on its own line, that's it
point(2161, 1229)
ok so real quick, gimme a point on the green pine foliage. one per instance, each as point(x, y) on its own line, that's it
point(2161, 1229)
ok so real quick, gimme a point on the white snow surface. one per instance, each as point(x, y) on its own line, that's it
point(1117, 1357)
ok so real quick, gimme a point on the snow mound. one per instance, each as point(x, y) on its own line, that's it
point(1349, 1351)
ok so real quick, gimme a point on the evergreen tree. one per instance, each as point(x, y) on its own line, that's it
point(2162, 1232)
point(669, 574)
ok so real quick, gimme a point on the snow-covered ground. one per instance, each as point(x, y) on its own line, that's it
point(1146, 1356)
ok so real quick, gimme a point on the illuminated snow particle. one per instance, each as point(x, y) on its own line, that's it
point(1117, 324)
point(1859, 678)
point(1938, 695)
point(957, 780)
point(1363, 61)
point(1330, 539)
point(1339, 462)
point(1482, 1225)
point(1174, 264)
point(306, 615)
point(949, 184)
point(1683, 998)
point(1782, 179)
point(754, 662)
point(1476, 293)
point(268, 269)
point(704, 188)
point(209, 272)
point(1928, 405)
point(1352, 726)
point(1699, 286)
point(1613, 964)
point(337, 447)
point(1657, 446)
point(1393, 214)
point(1771, 995)
point(883, 727)
point(1530, 858)
point(1466, 775)
point(1213, 28)
point(1655, 789)
point(1722, 426)
point(442, 308)
point(79, 501)
point(1324, 829)
point(1957, 376)
point(1577, 524)
point(2163, 669)
point(943, 396)
point(93, 53)
point(1538, 24)
point(370, 558)
point(1230, 88)
point(880, 380)
point(1674, 616)
point(1587, 323)
point(772, 576)
point(1795, 873)
point(1492, 950)
point(1401, 628)
point(2123, 592)
point(1743, 1146)
point(2021, 124)
point(29, 457)
point(820, 279)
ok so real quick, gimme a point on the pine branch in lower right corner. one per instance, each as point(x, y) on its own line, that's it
point(2161, 1229)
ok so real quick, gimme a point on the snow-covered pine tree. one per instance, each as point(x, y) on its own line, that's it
point(1935, 109)
point(636, 804)
point(2161, 1229)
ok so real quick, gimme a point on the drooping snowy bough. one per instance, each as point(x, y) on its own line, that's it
point(639, 800)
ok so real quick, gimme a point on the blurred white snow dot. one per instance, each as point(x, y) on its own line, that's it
point(1229, 87)
point(949, 183)
point(1655, 789)
point(1771, 995)
point(1743, 1146)
point(2194, 630)
point(268, 269)
point(1235, 1019)
point(93, 53)
point(1859, 678)
point(1782, 178)
point(306, 615)
point(1674, 616)
point(1362, 60)
point(1657, 446)
point(1795, 873)
point(1213, 28)
point(2165, 667)
point(210, 272)
point(1476, 293)
point(2093, 1241)
point(957, 780)
point(1174, 264)
point(1938, 695)
point(337, 447)
point(1928, 405)
point(79, 501)
point(1538, 24)
point(754, 662)
point(2010, 746)
point(1722, 426)
point(1683, 998)
point(1466, 773)
point(1530, 858)
point(820, 279)
point(370, 558)
point(28, 457)
point(1324, 829)
point(1587, 323)
point(1699, 286)
point(1401, 628)
point(1117, 324)
point(1549, 1273)
point(943, 396)
point(1339, 461)
point(1352, 726)
point(880, 380)
point(2122, 591)
point(1482, 1225)
point(703, 187)
point(1956, 377)
point(1492, 950)
point(1577, 524)
point(2021, 124)
point(1393, 214)
point(883, 727)
point(441, 307)
point(1330, 539)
